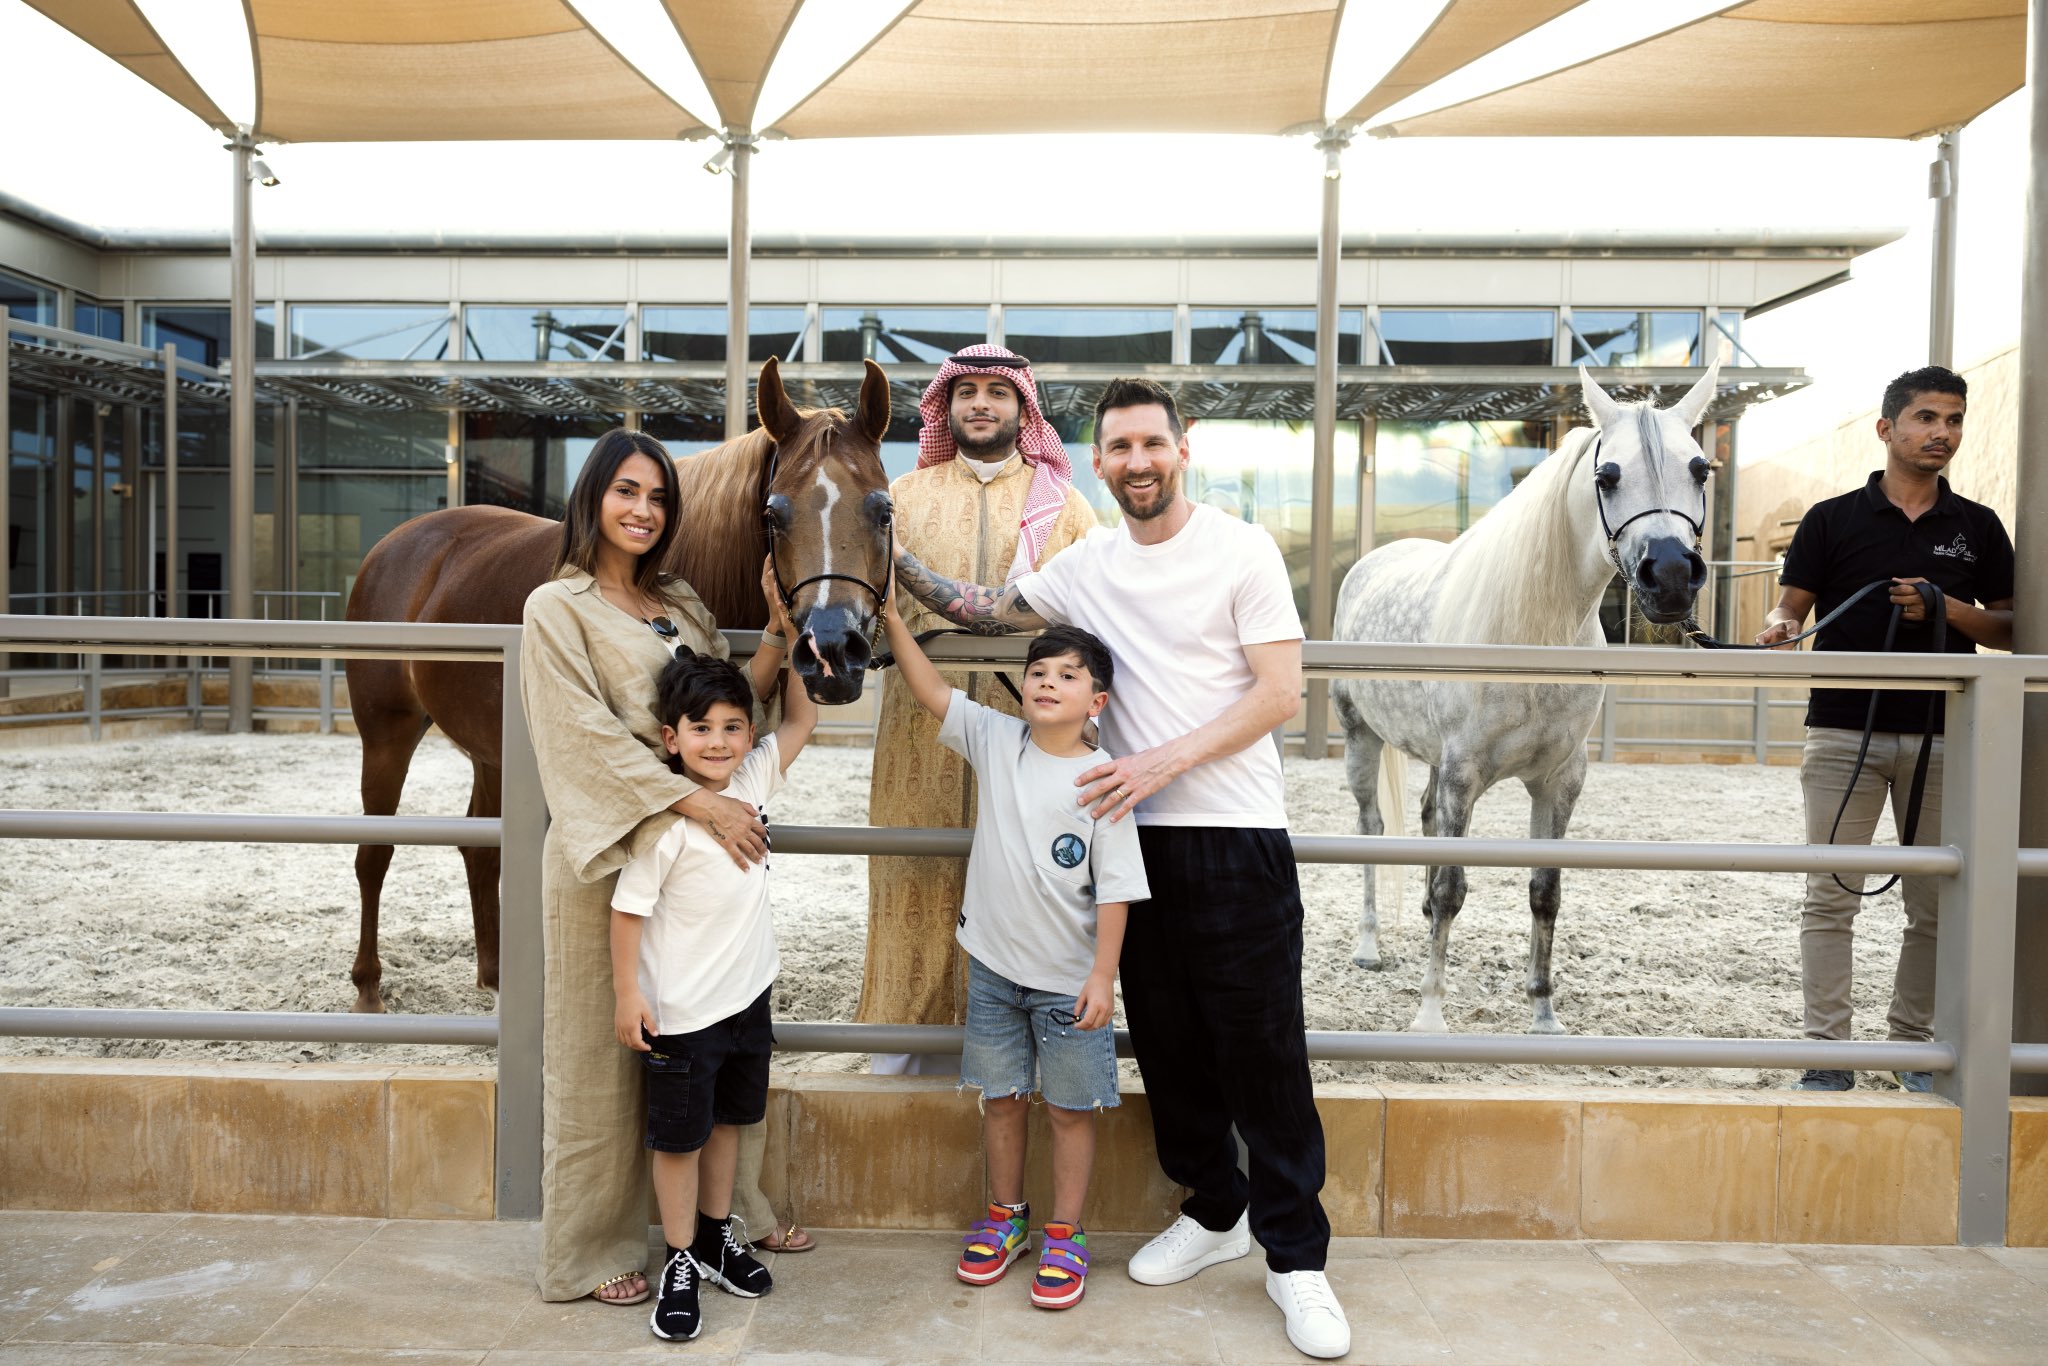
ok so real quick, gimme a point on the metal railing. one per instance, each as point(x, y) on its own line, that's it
point(1978, 865)
point(517, 833)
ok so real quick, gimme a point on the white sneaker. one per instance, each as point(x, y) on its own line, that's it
point(1185, 1248)
point(1315, 1321)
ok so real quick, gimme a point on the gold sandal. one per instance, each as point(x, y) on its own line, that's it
point(782, 1244)
point(602, 1286)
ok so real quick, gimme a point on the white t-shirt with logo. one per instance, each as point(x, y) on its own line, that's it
point(1176, 617)
point(708, 948)
point(1040, 863)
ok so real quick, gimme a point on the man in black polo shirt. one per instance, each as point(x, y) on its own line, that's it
point(1906, 525)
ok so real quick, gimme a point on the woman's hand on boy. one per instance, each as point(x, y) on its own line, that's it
point(735, 825)
point(1096, 1004)
point(630, 1018)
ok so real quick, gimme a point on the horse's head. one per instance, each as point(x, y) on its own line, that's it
point(826, 504)
point(1650, 488)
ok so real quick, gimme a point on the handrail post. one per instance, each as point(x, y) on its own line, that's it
point(92, 696)
point(327, 694)
point(1973, 973)
point(523, 812)
point(1607, 710)
point(1760, 723)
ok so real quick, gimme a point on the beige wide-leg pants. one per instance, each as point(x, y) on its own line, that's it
point(1826, 936)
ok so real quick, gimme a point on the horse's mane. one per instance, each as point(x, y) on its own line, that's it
point(720, 543)
point(1511, 577)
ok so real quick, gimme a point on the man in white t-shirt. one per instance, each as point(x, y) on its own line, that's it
point(1197, 608)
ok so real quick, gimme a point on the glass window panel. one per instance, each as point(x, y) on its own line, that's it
point(685, 433)
point(340, 517)
point(201, 334)
point(1468, 336)
point(95, 318)
point(1090, 336)
point(1644, 337)
point(343, 438)
point(1434, 479)
point(27, 300)
point(916, 336)
point(1726, 338)
point(526, 462)
point(369, 332)
point(1267, 336)
point(543, 333)
point(698, 334)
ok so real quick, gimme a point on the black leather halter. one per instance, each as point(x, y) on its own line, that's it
point(1606, 476)
point(787, 593)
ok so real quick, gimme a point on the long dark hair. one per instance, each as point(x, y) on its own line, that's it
point(580, 533)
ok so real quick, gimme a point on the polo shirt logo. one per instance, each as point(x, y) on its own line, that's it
point(1958, 549)
point(1068, 851)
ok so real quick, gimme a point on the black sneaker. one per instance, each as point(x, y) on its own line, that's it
point(675, 1317)
point(725, 1260)
point(1826, 1079)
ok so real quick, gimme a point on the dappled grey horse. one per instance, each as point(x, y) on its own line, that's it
point(1627, 496)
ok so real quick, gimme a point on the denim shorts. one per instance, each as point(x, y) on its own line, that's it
point(714, 1075)
point(1020, 1041)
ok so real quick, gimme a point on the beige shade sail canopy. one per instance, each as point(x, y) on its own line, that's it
point(475, 70)
point(1784, 68)
point(120, 31)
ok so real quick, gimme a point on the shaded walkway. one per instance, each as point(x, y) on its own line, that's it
point(170, 1288)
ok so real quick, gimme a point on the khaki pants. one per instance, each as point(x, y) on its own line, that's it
point(1826, 936)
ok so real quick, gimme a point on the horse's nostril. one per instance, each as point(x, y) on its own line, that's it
point(803, 657)
point(858, 652)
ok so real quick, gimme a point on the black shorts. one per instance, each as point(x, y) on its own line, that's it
point(714, 1075)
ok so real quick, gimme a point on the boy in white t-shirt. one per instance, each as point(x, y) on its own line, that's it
point(693, 959)
point(1042, 921)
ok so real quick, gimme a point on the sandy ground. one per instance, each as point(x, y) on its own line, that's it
point(273, 927)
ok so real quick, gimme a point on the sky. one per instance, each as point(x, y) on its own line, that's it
point(131, 159)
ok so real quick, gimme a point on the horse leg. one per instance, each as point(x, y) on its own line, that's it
point(482, 866)
point(1361, 769)
point(1455, 789)
point(389, 739)
point(1550, 812)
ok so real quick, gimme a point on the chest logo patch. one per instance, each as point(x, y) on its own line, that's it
point(1068, 851)
point(1958, 549)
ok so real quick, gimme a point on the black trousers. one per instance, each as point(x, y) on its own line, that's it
point(1212, 991)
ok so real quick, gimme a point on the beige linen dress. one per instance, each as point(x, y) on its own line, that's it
point(587, 675)
point(914, 972)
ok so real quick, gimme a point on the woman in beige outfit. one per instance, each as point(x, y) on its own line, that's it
point(596, 635)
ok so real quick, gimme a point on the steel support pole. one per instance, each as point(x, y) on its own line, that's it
point(1322, 593)
point(6, 493)
point(174, 601)
point(242, 433)
point(1973, 975)
point(2030, 538)
point(97, 517)
point(453, 455)
point(1942, 187)
point(522, 813)
point(739, 246)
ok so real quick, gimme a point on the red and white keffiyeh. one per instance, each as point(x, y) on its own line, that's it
point(1051, 472)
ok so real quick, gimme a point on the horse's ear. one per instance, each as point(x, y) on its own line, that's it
point(772, 404)
point(1606, 412)
point(1694, 405)
point(874, 403)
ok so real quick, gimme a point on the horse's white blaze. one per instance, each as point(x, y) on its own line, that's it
point(828, 484)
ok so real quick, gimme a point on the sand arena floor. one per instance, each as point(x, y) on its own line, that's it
point(273, 927)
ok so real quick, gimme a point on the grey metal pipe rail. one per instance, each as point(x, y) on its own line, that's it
point(477, 832)
point(181, 636)
point(281, 1026)
point(1655, 856)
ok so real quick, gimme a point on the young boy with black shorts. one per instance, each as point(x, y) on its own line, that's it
point(1042, 921)
point(693, 960)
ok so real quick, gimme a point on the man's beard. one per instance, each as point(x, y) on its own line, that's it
point(1163, 494)
point(998, 444)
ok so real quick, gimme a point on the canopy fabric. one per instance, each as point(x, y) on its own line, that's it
point(1791, 68)
point(119, 30)
point(475, 70)
point(1461, 34)
point(733, 43)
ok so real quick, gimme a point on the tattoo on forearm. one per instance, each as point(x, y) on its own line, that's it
point(961, 601)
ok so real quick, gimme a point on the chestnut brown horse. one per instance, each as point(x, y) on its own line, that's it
point(810, 478)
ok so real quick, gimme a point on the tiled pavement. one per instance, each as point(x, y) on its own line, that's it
point(168, 1288)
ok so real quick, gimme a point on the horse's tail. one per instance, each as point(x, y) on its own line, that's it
point(1393, 794)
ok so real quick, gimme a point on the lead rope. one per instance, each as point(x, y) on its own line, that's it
point(1937, 617)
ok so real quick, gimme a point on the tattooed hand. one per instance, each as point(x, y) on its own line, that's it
point(983, 610)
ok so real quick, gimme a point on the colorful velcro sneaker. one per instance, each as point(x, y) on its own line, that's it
point(1062, 1268)
point(993, 1243)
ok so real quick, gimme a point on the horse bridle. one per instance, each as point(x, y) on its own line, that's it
point(1607, 476)
point(787, 593)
